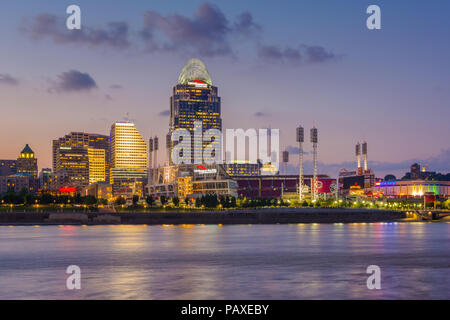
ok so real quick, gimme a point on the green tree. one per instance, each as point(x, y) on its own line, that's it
point(176, 201)
point(90, 200)
point(150, 200)
point(233, 202)
point(46, 198)
point(135, 200)
point(120, 201)
point(163, 200)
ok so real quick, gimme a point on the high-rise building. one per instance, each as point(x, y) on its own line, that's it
point(194, 99)
point(129, 159)
point(45, 178)
point(83, 157)
point(8, 167)
point(99, 158)
point(27, 163)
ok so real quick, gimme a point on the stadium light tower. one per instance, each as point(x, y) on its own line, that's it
point(358, 156)
point(364, 152)
point(314, 141)
point(300, 139)
point(285, 160)
point(156, 147)
point(150, 151)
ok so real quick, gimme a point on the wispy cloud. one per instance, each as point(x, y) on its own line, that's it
point(293, 55)
point(8, 80)
point(73, 81)
point(207, 33)
point(261, 114)
point(49, 26)
point(438, 163)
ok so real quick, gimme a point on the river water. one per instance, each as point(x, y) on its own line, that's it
point(296, 261)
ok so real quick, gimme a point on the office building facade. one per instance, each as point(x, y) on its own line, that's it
point(26, 164)
point(194, 99)
point(129, 159)
point(83, 158)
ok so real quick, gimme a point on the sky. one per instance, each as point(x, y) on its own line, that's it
point(277, 64)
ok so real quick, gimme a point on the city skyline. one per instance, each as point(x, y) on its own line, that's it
point(272, 90)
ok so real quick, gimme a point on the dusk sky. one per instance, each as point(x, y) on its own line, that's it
point(277, 64)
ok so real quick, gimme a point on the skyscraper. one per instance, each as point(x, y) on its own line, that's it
point(27, 163)
point(194, 99)
point(129, 159)
point(82, 157)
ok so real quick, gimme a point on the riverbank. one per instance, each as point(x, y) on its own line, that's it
point(247, 216)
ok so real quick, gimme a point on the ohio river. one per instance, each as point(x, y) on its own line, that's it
point(296, 261)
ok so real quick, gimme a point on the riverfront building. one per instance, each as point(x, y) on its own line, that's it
point(412, 188)
point(129, 160)
point(243, 168)
point(26, 164)
point(285, 186)
point(191, 181)
point(8, 167)
point(82, 158)
point(194, 99)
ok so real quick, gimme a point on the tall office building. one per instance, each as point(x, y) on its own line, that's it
point(99, 158)
point(8, 167)
point(82, 157)
point(194, 99)
point(129, 159)
point(27, 163)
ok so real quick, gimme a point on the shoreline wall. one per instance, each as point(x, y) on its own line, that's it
point(252, 216)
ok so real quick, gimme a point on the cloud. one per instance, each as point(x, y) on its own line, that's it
point(295, 56)
point(318, 54)
point(207, 33)
point(8, 80)
point(439, 163)
point(164, 113)
point(274, 54)
point(116, 87)
point(261, 114)
point(73, 81)
point(46, 25)
point(245, 25)
point(295, 150)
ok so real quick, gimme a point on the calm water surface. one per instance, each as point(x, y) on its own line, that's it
point(305, 261)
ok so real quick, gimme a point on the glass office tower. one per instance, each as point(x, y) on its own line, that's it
point(129, 159)
point(194, 99)
point(82, 157)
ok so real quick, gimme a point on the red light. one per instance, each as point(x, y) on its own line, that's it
point(200, 167)
point(67, 190)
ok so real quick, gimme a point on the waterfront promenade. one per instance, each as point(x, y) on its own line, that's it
point(239, 216)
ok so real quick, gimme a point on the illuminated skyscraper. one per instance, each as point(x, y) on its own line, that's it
point(27, 163)
point(129, 159)
point(194, 99)
point(82, 157)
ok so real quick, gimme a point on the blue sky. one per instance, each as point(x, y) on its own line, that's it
point(390, 87)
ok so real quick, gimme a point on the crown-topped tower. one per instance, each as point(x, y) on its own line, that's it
point(27, 163)
point(194, 99)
